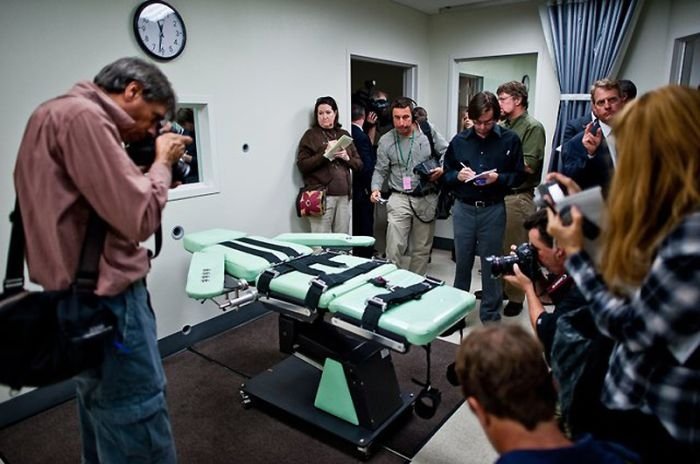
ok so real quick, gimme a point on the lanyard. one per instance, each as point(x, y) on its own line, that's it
point(407, 161)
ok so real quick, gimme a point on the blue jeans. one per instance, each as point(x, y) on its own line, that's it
point(121, 405)
point(479, 230)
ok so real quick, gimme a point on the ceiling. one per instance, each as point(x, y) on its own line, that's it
point(433, 7)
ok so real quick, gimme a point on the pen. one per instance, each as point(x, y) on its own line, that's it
point(463, 165)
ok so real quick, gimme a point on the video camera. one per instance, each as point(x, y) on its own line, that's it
point(554, 196)
point(143, 152)
point(525, 257)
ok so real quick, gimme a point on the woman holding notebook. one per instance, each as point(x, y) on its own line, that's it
point(325, 157)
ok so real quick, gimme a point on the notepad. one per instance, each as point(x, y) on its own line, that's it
point(480, 175)
point(340, 144)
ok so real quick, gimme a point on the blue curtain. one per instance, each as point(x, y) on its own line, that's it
point(587, 37)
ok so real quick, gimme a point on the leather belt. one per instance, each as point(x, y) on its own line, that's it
point(480, 203)
point(412, 194)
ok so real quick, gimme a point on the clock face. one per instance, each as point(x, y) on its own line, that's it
point(160, 30)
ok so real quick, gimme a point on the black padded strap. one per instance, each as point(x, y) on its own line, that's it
point(302, 264)
point(266, 255)
point(425, 127)
point(323, 283)
point(381, 303)
point(289, 251)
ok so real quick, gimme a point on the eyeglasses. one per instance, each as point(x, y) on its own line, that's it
point(504, 97)
point(612, 100)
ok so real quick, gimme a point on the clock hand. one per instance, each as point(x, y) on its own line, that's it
point(160, 35)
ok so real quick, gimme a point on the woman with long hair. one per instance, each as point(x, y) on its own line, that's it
point(647, 298)
point(332, 175)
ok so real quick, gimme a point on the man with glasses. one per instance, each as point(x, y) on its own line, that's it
point(589, 157)
point(512, 97)
point(482, 165)
point(72, 160)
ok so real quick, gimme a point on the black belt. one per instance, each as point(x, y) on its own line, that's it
point(480, 203)
point(414, 194)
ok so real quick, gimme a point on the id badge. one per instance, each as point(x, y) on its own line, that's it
point(407, 183)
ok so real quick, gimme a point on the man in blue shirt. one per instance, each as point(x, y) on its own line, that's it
point(482, 165)
point(506, 385)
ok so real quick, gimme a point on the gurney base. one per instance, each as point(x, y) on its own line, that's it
point(298, 380)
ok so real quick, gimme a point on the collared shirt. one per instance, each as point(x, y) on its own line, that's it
point(532, 137)
point(501, 149)
point(72, 159)
point(656, 330)
point(397, 156)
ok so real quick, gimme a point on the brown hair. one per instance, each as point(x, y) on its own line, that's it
point(516, 90)
point(656, 179)
point(502, 367)
point(607, 84)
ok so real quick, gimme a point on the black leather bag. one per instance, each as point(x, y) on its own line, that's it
point(48, 337)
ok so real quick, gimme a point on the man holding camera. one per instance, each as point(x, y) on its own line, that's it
point(412, 204)
point(561, 289)
point(72, 161)
point(482, 165)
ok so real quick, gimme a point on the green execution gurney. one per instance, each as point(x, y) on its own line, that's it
point(340, 315)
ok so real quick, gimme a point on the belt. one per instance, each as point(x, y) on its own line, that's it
point(480, 203)
point(413, 194)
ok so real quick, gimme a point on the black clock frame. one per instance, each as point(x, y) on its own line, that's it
point(137, 36)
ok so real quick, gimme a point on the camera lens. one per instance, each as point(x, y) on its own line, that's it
point(502, 265)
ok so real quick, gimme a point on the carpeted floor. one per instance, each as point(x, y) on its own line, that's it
point(209, 423)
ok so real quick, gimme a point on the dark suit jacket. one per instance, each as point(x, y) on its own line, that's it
point(587, 172)
point(574, 126)
point(363, 178)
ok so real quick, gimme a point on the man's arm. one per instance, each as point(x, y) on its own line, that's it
point(129, 201)
point(533, 148)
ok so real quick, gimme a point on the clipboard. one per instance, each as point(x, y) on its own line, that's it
point(343, 142)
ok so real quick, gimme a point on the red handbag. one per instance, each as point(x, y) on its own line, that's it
point(311, 202)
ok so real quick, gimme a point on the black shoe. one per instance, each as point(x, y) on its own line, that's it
point(478, 294)
point(451, 375)
point(512, 309)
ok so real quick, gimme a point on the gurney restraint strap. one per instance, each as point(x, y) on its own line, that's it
point(380, 303)
point(289, 251)
point(324, 282)
point(301, 264)
point(266, 255)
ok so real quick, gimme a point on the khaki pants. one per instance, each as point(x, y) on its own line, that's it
point(336, 219)
point(408, 240)
point(518, 207)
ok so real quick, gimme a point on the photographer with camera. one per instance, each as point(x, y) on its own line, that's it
point(522, 270)
point(71, 161)
point(405, 160)
point(648, 295)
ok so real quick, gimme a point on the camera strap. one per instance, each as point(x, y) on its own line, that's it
point(88, 269)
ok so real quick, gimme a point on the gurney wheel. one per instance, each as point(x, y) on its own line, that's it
point(364, 452)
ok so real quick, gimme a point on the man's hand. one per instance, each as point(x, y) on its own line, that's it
point(519, 280)
point(170, 148)
point(435, 174)
point(465, 174)
point(570, 237)
point(376, 195)
point(592, 139)
point(371, 118)
point(490, 178)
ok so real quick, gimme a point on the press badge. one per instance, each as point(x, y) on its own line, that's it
point(407, 183)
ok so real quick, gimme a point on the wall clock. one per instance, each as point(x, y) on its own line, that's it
point(159, 30)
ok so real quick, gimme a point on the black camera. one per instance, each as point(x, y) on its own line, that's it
point(143, 152)
point(553, 194)
point(424, 169)
point(525, 257)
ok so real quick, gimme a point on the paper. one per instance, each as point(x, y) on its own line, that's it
point(480, 175)
point(334, 148)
